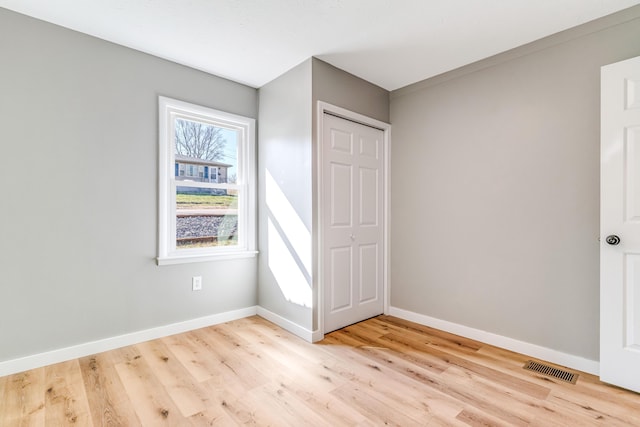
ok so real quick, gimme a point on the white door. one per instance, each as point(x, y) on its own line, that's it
point(620, 225)
point(352, 222)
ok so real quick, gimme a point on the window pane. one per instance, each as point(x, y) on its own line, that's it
point(206, 218)
point(198, 145)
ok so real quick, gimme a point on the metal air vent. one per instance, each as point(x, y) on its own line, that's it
point(550, 371)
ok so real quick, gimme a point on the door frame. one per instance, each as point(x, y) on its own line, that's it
point(322, 108)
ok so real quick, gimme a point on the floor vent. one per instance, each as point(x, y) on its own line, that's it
point(551, 371)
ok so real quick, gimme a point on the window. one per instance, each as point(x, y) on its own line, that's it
point(203, 217)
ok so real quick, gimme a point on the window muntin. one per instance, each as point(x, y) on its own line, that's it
point(207, 201)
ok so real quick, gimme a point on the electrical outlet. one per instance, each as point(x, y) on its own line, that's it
point(196, 283)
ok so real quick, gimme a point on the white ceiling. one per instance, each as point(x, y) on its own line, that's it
point(391, 43)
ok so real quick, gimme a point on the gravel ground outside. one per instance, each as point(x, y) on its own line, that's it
point(199, 226)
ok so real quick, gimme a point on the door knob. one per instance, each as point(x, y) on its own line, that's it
point(353, 237)
point(612, 239)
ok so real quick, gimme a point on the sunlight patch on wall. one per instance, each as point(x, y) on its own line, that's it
point(295, 232)
point(292, 282)
point(289, 246)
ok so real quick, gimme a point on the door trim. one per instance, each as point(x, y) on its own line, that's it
point(322, 108)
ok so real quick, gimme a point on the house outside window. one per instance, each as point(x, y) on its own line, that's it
point(207, 184)
point(208, 171)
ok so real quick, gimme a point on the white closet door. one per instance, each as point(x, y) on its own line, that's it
point(353, 223)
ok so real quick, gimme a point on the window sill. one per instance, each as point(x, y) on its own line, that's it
point(171, 260)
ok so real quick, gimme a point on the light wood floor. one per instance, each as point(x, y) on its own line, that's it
point(384, 371)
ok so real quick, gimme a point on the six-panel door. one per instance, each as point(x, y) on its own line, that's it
point(352, 219)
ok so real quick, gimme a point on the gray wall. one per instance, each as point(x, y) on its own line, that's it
point(288, 146)
point(78, 235)
point(337, 87)
point(285, 154)
point(495, 189)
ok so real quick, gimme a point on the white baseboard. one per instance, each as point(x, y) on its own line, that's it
point(63, 354)
point(288, 325)
point(317, 335)
point(533, 350)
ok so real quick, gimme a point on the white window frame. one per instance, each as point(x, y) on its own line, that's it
point(169, 110)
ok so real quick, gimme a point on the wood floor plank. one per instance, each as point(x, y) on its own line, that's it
point(285, 340)
point(23, 403)
point(230, 365)
point(251, 352)
point(595, 409)
point(556, 415)
point(228, 337)
point(375, 410)
point(333, 411)
point(212, 417)
point(65, 398)
point(106, 395)
point(460, 384)
point(422, 340)
point(383, 371)
point(290, 407)
point(431, 335)
point(192, 358)
point(474, 418)
point(411, 353)
point(187, 394)
point(287, 368)
point(4, 397)
point(241, 407)
point(152, 403)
